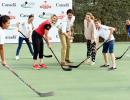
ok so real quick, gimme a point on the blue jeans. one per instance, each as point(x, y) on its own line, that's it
point(20, 42)
point(108, 47)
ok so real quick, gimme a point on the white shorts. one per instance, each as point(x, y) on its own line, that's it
point(2, 38)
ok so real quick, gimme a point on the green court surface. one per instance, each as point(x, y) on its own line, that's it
point(84, 83)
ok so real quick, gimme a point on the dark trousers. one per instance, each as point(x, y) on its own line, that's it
point(37, 42)
point(20, 42)
point(91, 50)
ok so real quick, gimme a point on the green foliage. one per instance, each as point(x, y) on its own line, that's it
point(79, 38)
point(111, 12)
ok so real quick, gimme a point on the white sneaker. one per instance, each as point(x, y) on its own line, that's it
point(92, 63)
point(17, 57)
point(88, 61)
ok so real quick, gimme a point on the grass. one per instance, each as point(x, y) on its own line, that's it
point(84, 83)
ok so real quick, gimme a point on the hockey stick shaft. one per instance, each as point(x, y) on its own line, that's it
point(47, 56)
point(53, 52)
point(65, 69)
point(28, 85)
point(87, 58)
point(123, 53)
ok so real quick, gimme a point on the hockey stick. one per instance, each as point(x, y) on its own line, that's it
point(123, 53)
point(65, 69)
point(76, 66)
point(51, 93)
point(47, 56)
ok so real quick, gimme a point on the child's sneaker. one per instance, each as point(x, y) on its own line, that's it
point(112, 68)
point(105, 65)
point(36, 66)
point(43, 66)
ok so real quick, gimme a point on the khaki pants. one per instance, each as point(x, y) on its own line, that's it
point(65, 47)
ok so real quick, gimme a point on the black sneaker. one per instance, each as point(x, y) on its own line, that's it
point(111, 68)
point(104, 65)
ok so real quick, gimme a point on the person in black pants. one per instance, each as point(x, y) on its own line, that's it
point(37, 41)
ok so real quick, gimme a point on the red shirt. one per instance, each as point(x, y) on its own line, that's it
point(40, 30)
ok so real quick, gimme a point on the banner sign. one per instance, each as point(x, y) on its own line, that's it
point(19, 10)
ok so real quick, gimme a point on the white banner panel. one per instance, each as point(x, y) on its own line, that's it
point(19, 10)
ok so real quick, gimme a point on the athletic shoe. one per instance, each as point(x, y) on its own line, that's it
point(43, 66)
point(88, 61)
point(36, 67)
point(111, 68)
point(105, 65)
point(92, 63)
point(17, 57)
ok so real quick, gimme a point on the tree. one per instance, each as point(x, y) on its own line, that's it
point(111, 12)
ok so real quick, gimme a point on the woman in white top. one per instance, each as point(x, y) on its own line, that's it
point(90, 35)
point(4, 24)
point(26, 29)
